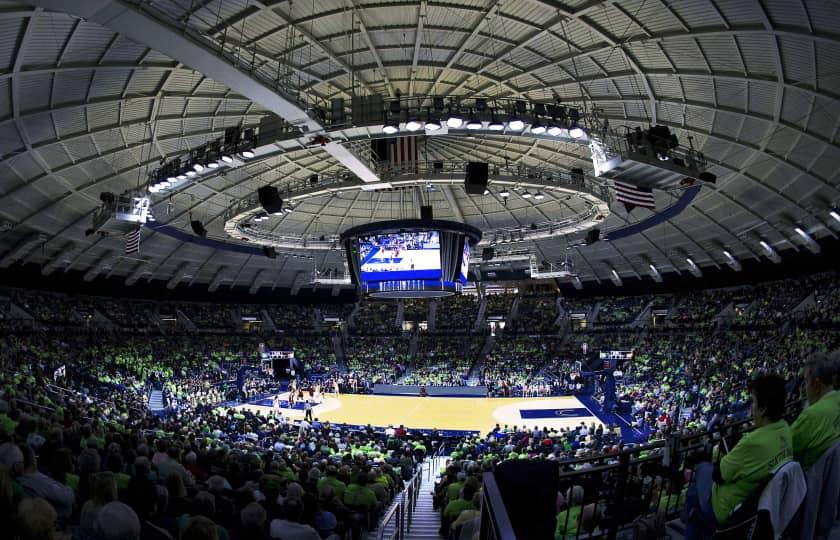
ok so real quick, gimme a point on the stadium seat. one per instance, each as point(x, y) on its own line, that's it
point(820, 509)
point(776, 507)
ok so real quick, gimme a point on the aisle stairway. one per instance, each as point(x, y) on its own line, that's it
point(425, 521)
point(156, 401)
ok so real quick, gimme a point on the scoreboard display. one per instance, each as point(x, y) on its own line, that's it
point(611, 359)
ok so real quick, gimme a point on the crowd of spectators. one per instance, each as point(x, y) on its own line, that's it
point(376, 319)
point(293, 318)
point(377, 360)
point(620, 310)
point(81, 453)
point(443, 361)
point(456, 315)
point(415, 310)
point(209, 316)
point(514, 367)
point(535, 315)
point(498, 305)
point(74, 462)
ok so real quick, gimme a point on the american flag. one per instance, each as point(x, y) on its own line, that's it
point(403, 151)
point(132, 242)
point(633, 196)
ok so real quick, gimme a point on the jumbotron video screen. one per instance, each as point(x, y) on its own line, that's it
point(400, 256)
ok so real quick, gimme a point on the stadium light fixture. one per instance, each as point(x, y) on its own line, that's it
point(539, 196)
point(181, 177)
point(390, 128)
point(516, 124)
point(575, 131)
point(504, 194)
point(432, 124)
point(474, 123)
point(227, 158)
point(554, 130)
point(248, 153)
point(801, 232)
point(767, 247)
point(834, 214)
point(494, 124)
point(454, 120)
point(538, 128)
point(414, 124)
point(526, 194)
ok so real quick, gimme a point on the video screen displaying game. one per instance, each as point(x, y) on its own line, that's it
point(400, 256)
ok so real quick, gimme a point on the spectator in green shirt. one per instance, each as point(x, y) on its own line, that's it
point(358, 496)
point(720, 488)
point(331, 480)
point(818, 426)
point(454, 508)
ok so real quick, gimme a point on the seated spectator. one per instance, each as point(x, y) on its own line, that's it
point(104, 491)
point(291, 528)
point(117, 521)
point(818, 426)
point(200, 528)
point(464, 502)
point(358, 496)
point(37, 484)
point(720, 488)
point(253, 519)
point(36, 520)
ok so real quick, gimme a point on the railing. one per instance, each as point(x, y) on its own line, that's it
point(495, 522)
point(611, 492)
point(402, 511)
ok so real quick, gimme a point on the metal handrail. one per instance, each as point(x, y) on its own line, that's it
point(495, 522)
point(402, 510)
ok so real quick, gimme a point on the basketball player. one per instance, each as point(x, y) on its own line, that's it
point(275, 406)
point(335, 387)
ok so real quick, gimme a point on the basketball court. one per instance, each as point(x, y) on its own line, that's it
point(467, 414)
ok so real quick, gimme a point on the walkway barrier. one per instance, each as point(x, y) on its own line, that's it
point(402, 511)
point(640, 487)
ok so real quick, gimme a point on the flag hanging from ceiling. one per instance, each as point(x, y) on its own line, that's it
point(402, 151)
point(633, 196)
point(132, 242)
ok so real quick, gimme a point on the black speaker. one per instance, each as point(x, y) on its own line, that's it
point(577, 174)
point(270, 252)
point(487, 254)
point(198, 228)
point(426, 212)
point(593, 236)
point(438, 165)
point(475, 182)
point(270, 199)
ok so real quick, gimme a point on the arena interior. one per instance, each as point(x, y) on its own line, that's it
point(417, 269)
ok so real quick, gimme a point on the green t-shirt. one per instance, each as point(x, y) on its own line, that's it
point(753, 460)
point(454, 509)
point(453, 491)
point(572, 515)
point(359, 496)
point(337, 485)
point(816, 429)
